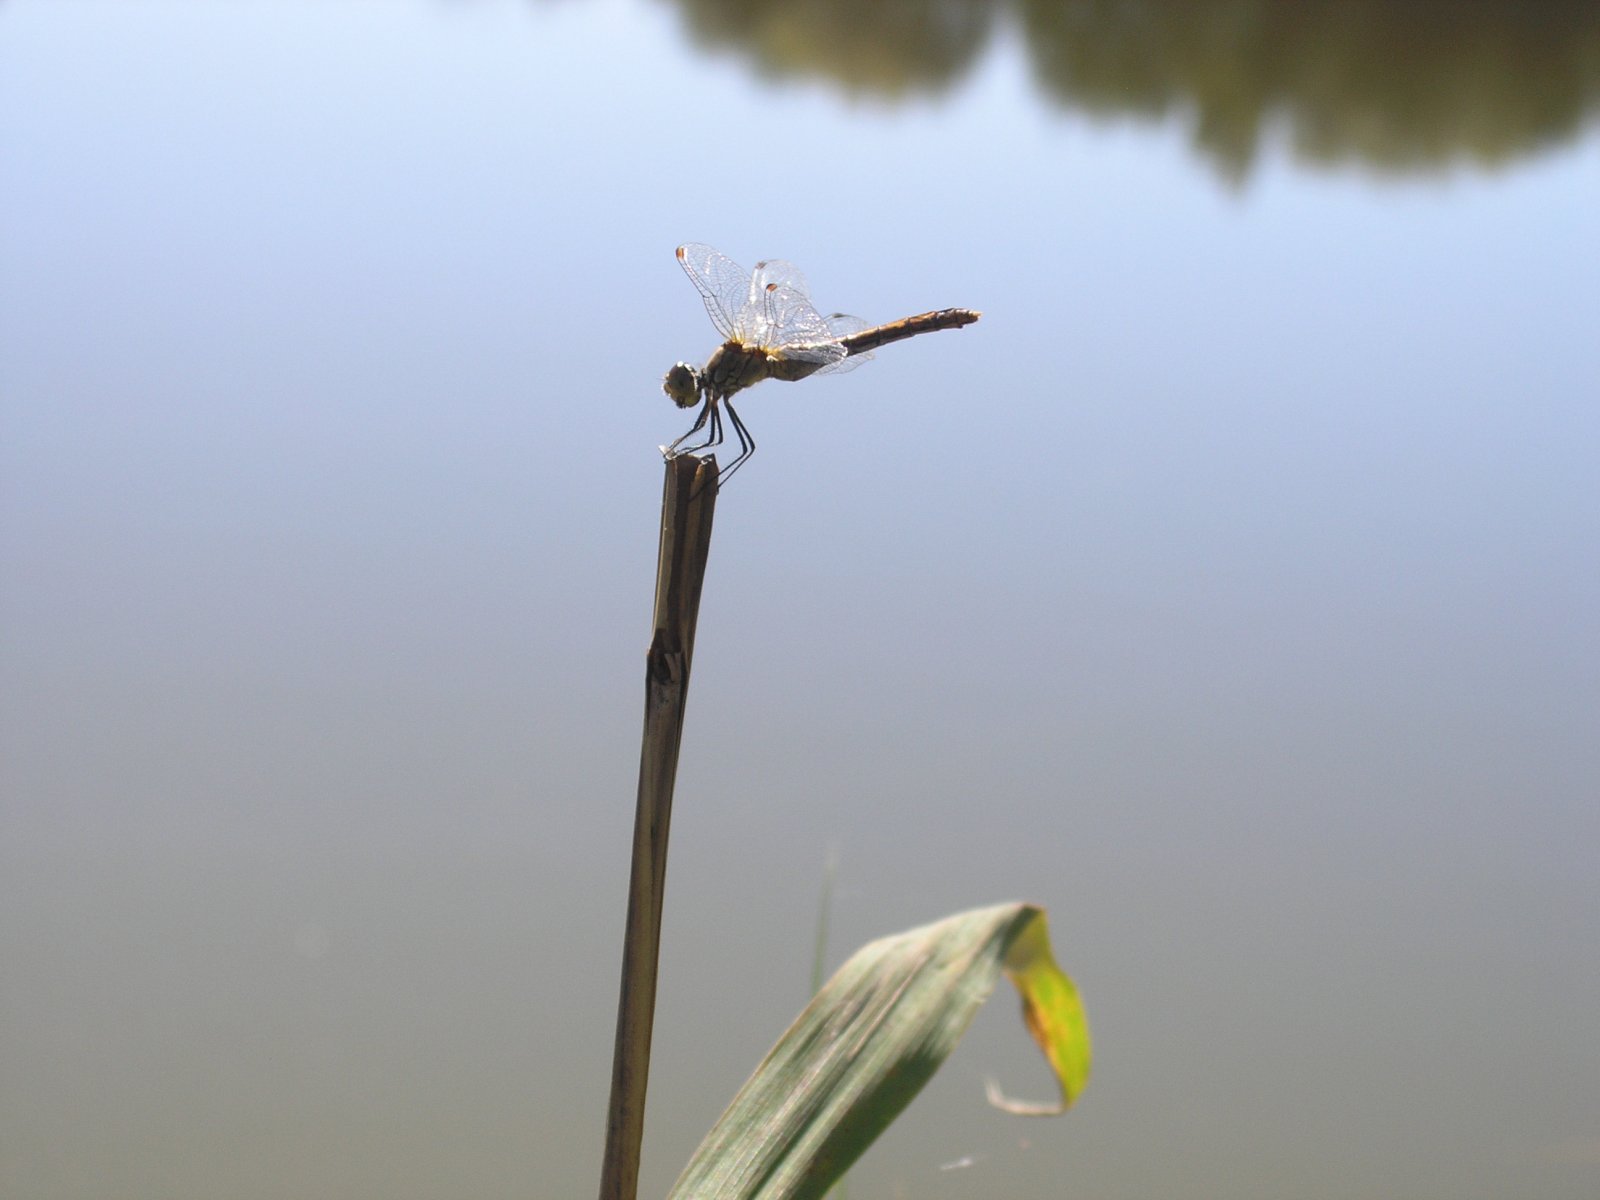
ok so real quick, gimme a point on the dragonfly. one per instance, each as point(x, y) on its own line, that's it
point(771, 331)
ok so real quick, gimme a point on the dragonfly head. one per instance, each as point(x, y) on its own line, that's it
point(682, 384)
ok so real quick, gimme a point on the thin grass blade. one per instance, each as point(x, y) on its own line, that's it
point(870, 1040)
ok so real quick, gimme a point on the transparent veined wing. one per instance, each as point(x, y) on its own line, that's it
point(796, 330)
point(778, 297)
point(783, 274)
point(842, 325)
point(724, 285)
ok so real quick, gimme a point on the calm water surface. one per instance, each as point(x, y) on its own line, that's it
point(1231, 588)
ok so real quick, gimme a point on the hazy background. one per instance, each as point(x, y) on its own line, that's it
point(1231, 589)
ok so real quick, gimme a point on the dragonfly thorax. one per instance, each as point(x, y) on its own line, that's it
point(734, 366)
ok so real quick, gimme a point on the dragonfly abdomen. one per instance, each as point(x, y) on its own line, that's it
point(898, 331)
point(791, 369)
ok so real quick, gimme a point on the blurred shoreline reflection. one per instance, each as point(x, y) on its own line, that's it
point(1393, 87)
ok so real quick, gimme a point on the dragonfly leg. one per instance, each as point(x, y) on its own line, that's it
point(747, 446)
point(709, 409)
point(715, 436)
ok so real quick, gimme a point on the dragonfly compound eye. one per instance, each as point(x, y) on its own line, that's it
point(682, 384)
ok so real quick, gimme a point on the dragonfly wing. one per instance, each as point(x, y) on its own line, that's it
point(723, 284)
point(841, 365)
point(830, 356)
point(776, 271)
point(777, 296)
point(842, 325)
point(793, 321)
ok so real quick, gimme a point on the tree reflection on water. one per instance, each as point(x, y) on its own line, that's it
point(1389, 84)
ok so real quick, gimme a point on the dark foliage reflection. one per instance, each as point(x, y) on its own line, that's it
point(887, 48)
point(1393, 84)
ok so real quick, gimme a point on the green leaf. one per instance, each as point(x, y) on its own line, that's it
point(864, 1047)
